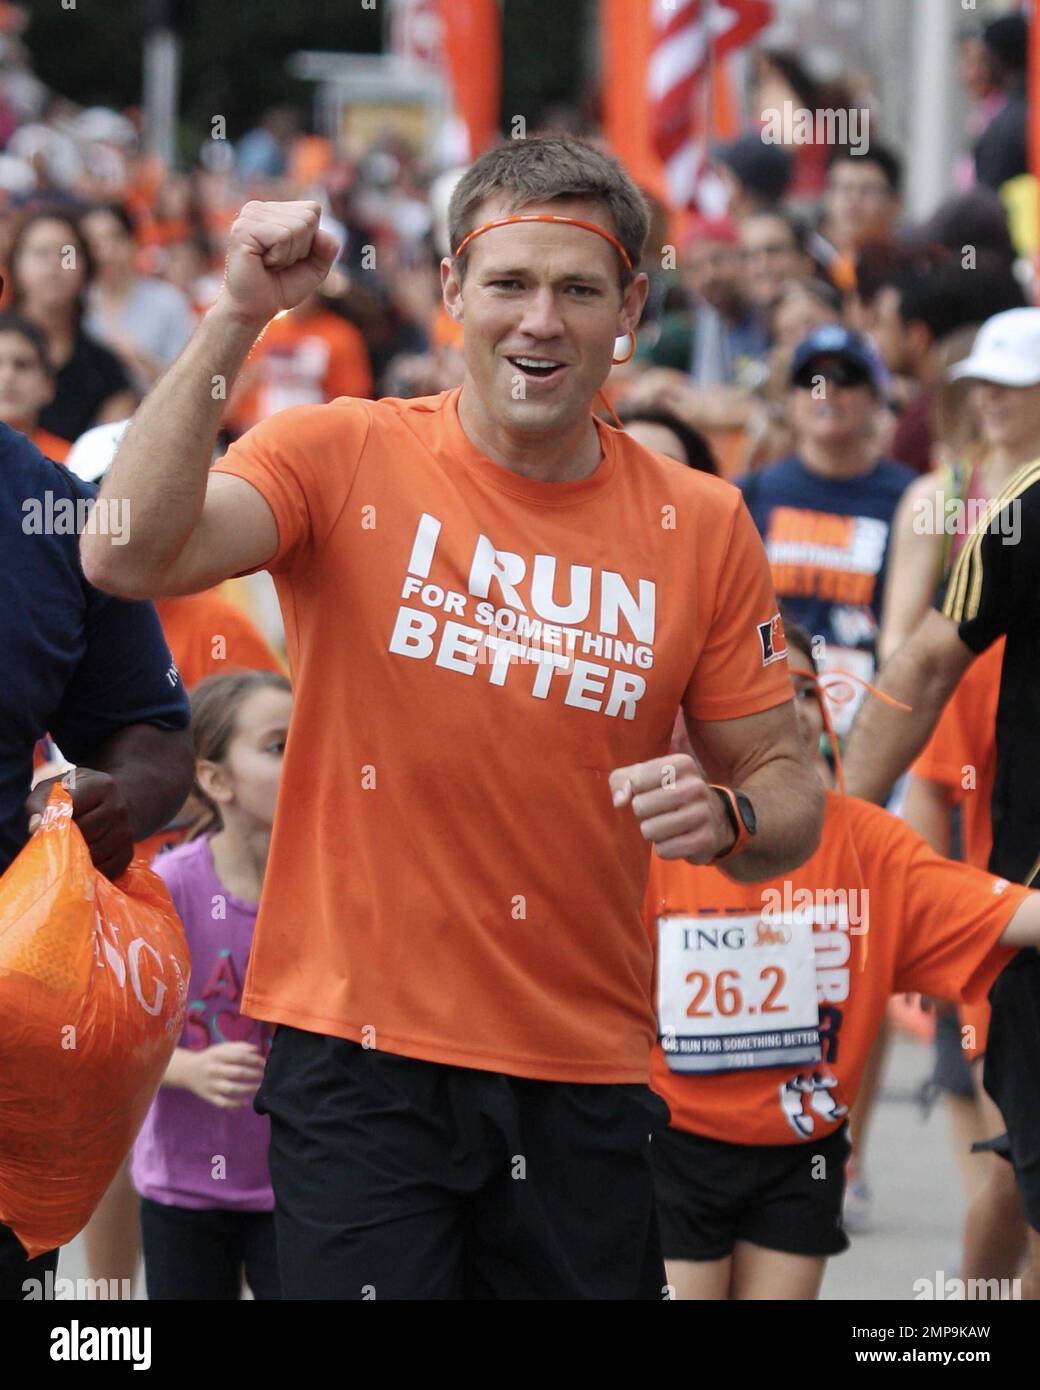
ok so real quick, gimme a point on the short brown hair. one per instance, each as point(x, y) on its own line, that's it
point(541, 170)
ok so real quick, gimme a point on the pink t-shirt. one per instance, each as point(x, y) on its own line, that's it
point(190, 1153)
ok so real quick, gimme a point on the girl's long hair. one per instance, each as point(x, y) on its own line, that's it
point(215, 703)
point(77, 240)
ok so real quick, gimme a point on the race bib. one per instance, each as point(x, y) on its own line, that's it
point(737, 992)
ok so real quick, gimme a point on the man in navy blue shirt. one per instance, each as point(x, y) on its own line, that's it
point(96, 674)
point(825, 513)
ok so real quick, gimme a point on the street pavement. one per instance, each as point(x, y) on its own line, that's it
point(918, 1205)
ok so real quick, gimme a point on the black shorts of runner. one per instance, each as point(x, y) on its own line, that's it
point(405, 1179)
point(711, 1194)
point(1012, 1071)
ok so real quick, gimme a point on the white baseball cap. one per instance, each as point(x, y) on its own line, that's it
point(1006, 350)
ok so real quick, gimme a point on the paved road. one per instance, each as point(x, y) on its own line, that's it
point(918, 1195)
point(918, 1201)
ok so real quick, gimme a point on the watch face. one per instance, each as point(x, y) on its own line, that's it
point(747, 813)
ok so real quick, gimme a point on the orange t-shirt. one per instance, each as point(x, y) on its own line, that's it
point(302, 361)
point(966, 738)
point(472, 653)
point(926, 924)
point(52, 446)
point(207, 636)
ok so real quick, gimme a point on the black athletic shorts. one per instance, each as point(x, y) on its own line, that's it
point(398, 1178)
point(711, 1194)
point(1012, 1070)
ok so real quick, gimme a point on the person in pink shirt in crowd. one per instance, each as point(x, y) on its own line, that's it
point(200, 1160)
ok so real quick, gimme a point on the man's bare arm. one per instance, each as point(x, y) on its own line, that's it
point(922, 674)
point(186, 531)
point(763, 755)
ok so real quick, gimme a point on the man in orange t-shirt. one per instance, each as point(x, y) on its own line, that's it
point(770, 996)
point(494, 604)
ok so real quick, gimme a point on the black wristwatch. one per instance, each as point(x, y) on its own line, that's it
point(742, 817)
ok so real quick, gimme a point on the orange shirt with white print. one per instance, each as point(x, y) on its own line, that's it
point(302, 360)
point(472, 653)
point(890, 917)
point(961, 755)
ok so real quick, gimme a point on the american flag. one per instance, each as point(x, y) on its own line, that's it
point(688, 36)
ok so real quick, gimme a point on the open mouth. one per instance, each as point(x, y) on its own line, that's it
point(538, 368)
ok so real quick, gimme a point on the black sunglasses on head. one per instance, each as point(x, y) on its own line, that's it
point(839, 373)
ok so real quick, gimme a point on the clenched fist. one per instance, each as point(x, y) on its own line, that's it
point(677, 810)
point(99, 809)
point(276, 257)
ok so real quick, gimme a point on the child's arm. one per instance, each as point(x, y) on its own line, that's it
point(181, 1070)
point(226, 1074)
point(1024, 927)
point(927, 810)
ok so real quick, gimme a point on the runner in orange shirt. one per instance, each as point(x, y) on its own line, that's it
point(769, 998)
point(494, 604)
point(306, 356)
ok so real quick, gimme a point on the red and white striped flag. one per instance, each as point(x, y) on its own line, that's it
point(688, 35)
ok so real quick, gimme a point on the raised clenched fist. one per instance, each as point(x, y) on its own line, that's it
point(276, 257)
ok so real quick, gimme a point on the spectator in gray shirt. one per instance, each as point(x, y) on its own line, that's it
point(145, 320)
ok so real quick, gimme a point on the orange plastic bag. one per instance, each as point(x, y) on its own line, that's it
point(93, 987)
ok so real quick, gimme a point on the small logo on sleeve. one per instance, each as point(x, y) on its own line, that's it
point(774, 643)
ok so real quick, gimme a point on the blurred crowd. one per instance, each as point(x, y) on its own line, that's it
point(811, 274)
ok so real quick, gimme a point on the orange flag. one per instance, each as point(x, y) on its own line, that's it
point(473, 50)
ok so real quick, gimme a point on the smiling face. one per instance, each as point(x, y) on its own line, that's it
point(542, 307)
point(827, 413)
point(1009, 415)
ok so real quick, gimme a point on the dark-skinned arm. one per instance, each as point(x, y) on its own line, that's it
point(127, 788)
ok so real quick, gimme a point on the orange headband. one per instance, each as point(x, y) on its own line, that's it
point(548, 217)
